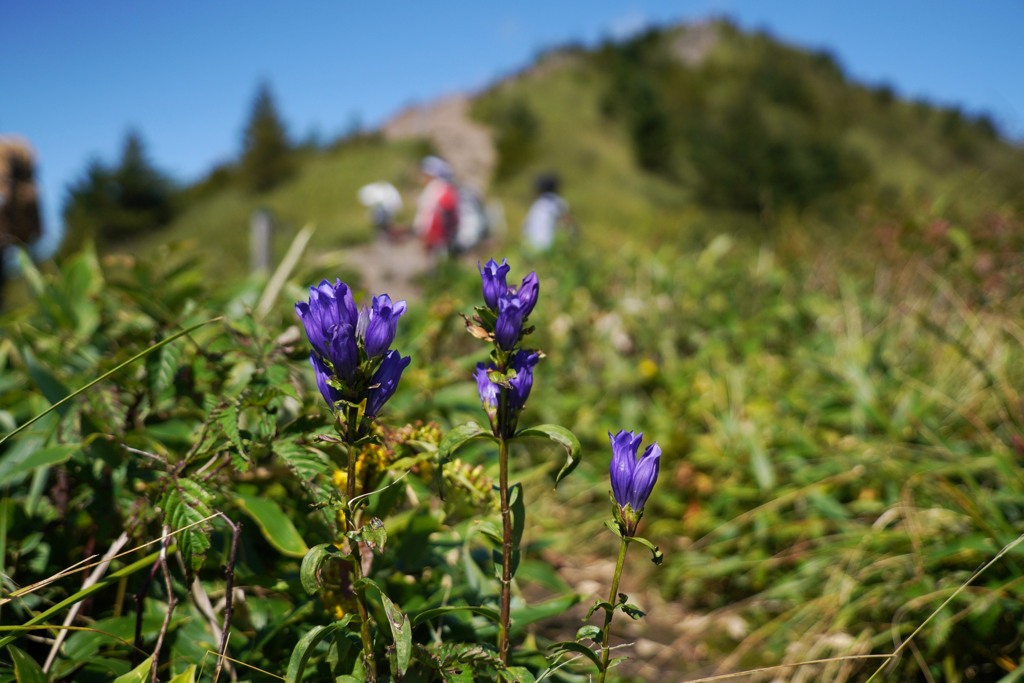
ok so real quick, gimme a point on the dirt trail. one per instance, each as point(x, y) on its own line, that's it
point(395, 266)
point(466, 144)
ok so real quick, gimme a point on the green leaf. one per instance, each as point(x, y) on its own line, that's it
point(564, 438)
point(588, 631)
point(451, 442)
point(578, 648)
point(599, 604)
point(304, 648)
point(613, 525)
point(186, 504)
point(276, 526)
point(186, 676)
point(518, 508)
point(374, 534)
point(310, 575)
point(139, 674)
point(161, 367)
point(142, 354)
point(26, 670)
point(517, 674)
point(764, 473)
point(401, 630)
point(313, 468)
point(228, 421)
point(633, 611)
point(524, 616)
point(486, 612)
point(51, 387)
point(17, 464)
point(657, 557)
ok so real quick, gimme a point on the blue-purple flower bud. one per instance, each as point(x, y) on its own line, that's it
point(381, 324)
point(528, 292)
point(632, 480)
point(520, 385)
point(489, 392)
point(494, 283)
point(329, 307)
point(385, 381)
point(323, 375)
point(510, 321)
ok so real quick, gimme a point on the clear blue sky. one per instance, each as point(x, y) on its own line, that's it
point(76, 75)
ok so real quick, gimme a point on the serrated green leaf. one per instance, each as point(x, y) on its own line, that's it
point(185, 504)
point(564, 438)
point(312, 467)
point(276, 526)
point(228, 422)
point(161, 367)
point(26, 669)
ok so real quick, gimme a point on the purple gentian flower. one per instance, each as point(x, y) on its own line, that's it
point(528, 293)
point(493, 276)
point(632, 480)
point(343, 353)
point(487, 389)
point(385, 381)
point(520, 385)
point(329, 307)
point(510, 321)
point(322, 374)
point(381, 323)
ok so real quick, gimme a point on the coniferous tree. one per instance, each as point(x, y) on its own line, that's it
point(266, 150)
point(114, 202)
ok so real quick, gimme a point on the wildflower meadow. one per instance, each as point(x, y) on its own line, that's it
point(648, 465)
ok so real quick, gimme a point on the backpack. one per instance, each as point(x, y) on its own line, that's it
point(474, 223)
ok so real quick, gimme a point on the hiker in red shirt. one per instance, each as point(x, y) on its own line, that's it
point(437, 210)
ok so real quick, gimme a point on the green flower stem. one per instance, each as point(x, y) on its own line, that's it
point(610, 611)
point(352, 421)
point(506, 550)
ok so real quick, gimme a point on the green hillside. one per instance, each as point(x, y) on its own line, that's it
point(671, 137)
point(755, 135)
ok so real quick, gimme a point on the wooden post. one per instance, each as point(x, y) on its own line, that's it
point(260, 242)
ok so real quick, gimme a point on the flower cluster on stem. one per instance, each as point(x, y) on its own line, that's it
point(356, 372)
point(504, 384)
